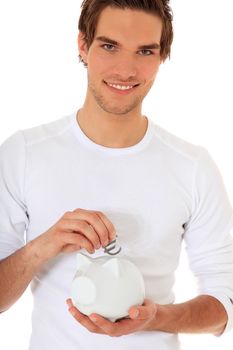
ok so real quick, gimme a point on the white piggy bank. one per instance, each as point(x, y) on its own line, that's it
point(108, 286)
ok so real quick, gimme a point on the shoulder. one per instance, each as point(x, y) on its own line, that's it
point(26, 137)
point(176, 148)
point(188, 158)
point(47, 131)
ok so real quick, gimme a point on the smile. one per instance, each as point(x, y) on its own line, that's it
point(120, 87)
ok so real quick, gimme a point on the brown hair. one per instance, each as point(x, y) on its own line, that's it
point(91, 10)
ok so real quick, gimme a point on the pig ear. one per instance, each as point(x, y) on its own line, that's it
point(83, 261)
point(113, 266)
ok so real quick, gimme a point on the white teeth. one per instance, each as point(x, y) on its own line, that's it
point(120, 87)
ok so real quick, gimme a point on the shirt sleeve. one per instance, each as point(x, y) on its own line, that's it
point(207, 236)
point(13, 210)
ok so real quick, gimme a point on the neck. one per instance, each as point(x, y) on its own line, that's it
point(110, 130)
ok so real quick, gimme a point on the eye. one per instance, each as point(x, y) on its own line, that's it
point(108, 47)
point(146, 52)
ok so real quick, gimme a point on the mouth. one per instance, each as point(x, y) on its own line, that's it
point(120, 87)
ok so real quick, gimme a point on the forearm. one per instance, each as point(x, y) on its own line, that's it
point(16, 272)
point(204, 314)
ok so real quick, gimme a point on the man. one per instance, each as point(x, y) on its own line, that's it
point(107, 170)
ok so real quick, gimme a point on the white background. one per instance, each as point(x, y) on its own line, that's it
point(41, 80)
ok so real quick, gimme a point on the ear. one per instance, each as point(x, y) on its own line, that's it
point(113, 265)
point(82, 46)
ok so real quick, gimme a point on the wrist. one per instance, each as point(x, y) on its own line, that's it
point(169, 318)
point(203, 314)
point(34, 253)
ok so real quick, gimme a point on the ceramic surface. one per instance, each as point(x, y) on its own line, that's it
point(108, 286)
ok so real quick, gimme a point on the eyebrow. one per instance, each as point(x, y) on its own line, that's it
point(114, 42)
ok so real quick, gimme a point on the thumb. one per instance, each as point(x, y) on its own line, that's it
point(146, 311)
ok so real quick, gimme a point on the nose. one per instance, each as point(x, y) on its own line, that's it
point(125, 68)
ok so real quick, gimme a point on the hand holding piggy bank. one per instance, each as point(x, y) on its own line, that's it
point(108, 286)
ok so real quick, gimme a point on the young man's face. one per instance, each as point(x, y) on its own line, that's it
point(123, 59)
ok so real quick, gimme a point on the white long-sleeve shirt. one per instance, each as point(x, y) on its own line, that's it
point(156, 193)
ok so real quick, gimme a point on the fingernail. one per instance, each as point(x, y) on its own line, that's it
point(93, 318)
point(135, 314)
point(72, 311)
point(68, 302)
point(106, 243)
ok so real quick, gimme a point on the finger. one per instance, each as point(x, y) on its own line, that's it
point(70, 248)
point(146, 311)
point(96, 222)
point(69, 302)
point(114, 329)
point(109, 225)
point(83, 319)
point(78, 241)
point(104, 324)
point(80, 226)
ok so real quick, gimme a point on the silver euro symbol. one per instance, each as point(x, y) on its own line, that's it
point(111, 248)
